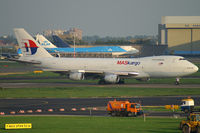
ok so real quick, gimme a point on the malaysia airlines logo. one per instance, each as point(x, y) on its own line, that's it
point(31, 47)
point(125, 62)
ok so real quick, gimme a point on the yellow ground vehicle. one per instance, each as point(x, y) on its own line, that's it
point(192, 124)
point(187, 105)
point(124, 108)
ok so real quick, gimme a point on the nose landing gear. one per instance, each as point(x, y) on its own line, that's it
point(177, 82)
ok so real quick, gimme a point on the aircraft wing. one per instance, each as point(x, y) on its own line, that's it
point(67, 71)
point(120, 73)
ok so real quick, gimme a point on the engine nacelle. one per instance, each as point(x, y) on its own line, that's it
point(111, 78)
point(76, 76)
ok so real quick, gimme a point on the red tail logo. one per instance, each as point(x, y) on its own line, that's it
point(33, 47)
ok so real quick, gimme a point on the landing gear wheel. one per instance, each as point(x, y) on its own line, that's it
point(177, 82)
point(121, 81)
point(198, 129)
point(180, 126)
point(186, 129)
point(186, 110)
point(101, 82)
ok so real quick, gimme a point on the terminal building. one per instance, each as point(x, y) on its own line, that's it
point(181, 34)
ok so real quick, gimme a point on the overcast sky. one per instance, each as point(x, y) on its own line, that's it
point(94, 17)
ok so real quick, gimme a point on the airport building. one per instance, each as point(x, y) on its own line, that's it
point(53, 32)
point(181, 34)
point(75, 31)
point(71, 32)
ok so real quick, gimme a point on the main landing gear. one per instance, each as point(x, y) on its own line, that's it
point(103, 82)
point(177, 82)
point(121, 81)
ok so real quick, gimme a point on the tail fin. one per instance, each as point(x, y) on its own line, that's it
point(44, 42)
point(59, 42)
point(29, 47)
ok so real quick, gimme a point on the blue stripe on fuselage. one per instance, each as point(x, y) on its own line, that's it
point(105, 49)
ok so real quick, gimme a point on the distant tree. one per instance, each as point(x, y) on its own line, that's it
point(8, 39)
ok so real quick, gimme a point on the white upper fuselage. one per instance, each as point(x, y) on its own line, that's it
point(154, 66)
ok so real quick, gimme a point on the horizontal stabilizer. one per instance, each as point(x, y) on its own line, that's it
point(24, 61)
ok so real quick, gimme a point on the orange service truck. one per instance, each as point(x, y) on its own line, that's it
point(124, 108)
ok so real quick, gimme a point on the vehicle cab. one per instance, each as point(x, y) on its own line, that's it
point(135, 108)
point(187, 105)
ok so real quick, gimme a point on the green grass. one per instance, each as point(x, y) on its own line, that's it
point(159, 109)
point(164, 81)
point(65, 80)
point(127, 81)
point(67, 124)
point(11, 64)
point(87, 92)
point(32, 74)
point(163, 109)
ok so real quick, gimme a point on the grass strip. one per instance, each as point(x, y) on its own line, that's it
point(88, 92)
point(68, 124)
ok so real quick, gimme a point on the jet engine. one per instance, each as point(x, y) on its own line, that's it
point(76, 76)
point(111, 78)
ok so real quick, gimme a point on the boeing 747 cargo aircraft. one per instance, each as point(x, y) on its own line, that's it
point(110, 70)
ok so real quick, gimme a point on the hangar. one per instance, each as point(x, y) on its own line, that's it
point(181, 34)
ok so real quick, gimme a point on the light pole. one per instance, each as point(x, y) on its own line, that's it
point(74, 45)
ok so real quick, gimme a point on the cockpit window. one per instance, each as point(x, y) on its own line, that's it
point(182, 59)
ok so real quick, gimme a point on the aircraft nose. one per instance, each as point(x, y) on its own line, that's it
point(191, 68)
point(196, 68)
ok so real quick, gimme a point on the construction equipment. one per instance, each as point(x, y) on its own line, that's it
point(187, 105)
point(192, 124)
point(124, 108)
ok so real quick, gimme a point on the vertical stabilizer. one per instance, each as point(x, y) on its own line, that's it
point(28, 45)
point(59, 42)
point(44, 42)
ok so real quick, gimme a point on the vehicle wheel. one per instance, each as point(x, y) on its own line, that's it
point(177, 83)
point(129, 114)
point(118, 114)
point(186, 110)
point(186, 129)
point(101, 82)
point(113, 114)
point(180, 126)
point(198, 130)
